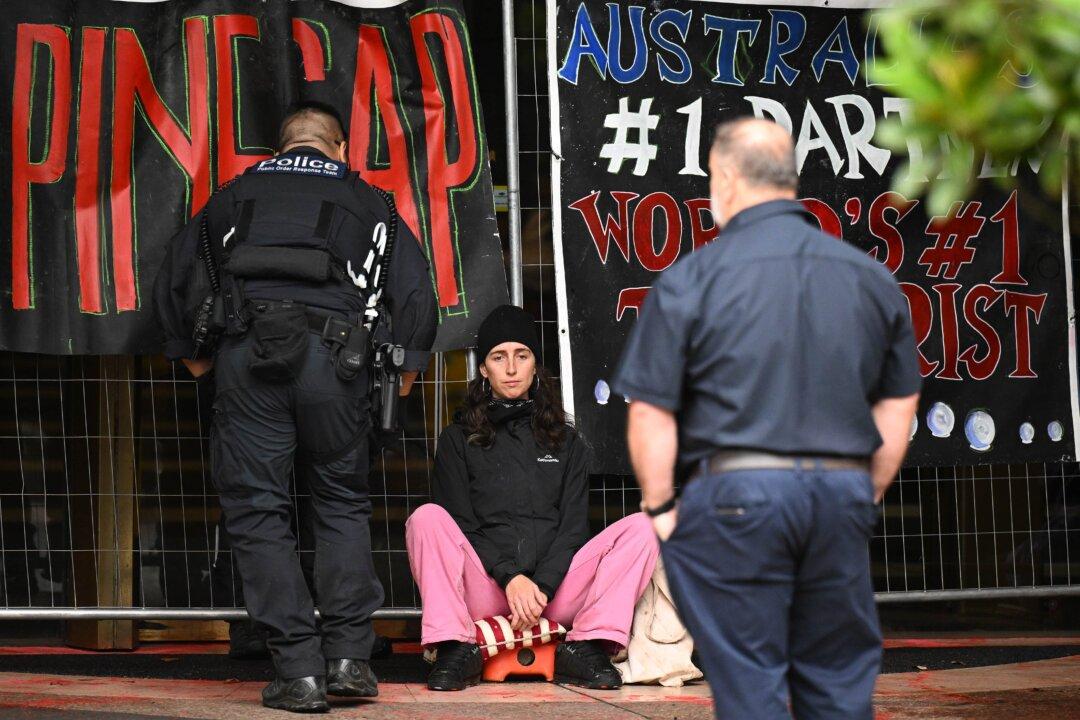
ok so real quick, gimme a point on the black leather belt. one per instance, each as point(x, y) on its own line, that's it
point(733, 460)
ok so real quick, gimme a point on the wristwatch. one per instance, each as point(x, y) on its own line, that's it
point(659, 510)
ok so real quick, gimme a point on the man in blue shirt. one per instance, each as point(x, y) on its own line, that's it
point(776, 371)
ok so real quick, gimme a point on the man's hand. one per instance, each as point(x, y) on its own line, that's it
point(526, 601)
point(408, 377)
point(198, 367)
point(665, 524)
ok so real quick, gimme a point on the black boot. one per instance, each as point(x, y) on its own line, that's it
point(457, 666)
point(584, 663)
point(247, 641)
point(351, 678)
point(302, 695)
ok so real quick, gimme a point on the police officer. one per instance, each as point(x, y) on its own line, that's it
point(300, 264)
point(776, 370)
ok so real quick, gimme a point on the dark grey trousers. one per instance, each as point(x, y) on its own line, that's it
point(770, 571)
point(258, 429)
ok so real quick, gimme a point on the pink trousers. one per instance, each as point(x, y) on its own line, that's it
point(596, 598)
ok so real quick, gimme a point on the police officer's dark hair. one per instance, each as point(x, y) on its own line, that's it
point(289, 132)
point(549, 422)
point(761, 164)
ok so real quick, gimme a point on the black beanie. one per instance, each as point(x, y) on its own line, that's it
point(507, 323)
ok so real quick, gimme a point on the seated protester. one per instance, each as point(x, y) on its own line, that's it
point(508, 531)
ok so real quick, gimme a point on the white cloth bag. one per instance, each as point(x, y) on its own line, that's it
point(660, 647)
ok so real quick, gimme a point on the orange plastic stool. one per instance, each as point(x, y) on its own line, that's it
point(537, 661)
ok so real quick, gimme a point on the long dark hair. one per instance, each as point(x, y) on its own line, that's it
point(548, 418)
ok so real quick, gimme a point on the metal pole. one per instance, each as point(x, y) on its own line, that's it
point(440, 380)
point(470, 364)
point(977, 594)
point(513, 171)
point(119, 613)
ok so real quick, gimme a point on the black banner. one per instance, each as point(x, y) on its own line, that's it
point(636, 93)
point(123, 116)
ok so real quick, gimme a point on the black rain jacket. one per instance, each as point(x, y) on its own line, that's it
point(523, 509)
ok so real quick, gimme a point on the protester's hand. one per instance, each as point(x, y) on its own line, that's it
point(527, 602)
point(198, 367)
point(664, 524)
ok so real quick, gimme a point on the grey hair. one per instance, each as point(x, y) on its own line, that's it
point(761, 161)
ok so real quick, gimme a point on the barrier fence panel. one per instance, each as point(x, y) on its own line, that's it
point(106, 499)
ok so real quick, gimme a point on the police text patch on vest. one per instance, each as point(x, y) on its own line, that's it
point(302, 165)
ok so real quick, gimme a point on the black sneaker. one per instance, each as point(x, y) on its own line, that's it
point(247, 641)
point(351, 678)
point(585, 664)
point(457, 666)
point(302, 695)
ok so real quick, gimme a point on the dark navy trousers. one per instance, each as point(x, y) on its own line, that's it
point(258, 431)
point(770, 572)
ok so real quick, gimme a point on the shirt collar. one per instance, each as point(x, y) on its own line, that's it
point(761, 211)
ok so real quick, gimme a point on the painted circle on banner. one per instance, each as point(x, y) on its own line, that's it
point(1027, 433)
point(941, 419)
point(1049, 266)
point(914, 427)
point(1056, 431)
point(979, 430)
point(602, 392)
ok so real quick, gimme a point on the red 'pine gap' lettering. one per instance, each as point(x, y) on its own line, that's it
point(191, 153)
point(373, 68)
point(226, 28)
point(311, 50)
point(88, 171)
point(24, 173)
point(443, 175)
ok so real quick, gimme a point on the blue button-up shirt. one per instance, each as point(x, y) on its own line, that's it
point(775, 337)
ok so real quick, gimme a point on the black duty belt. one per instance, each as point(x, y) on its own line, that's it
point(333, 329)
point(733, 460)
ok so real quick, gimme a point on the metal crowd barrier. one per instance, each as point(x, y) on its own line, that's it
point(107, 509)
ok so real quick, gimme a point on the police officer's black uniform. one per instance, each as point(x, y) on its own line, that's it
point(296, 244)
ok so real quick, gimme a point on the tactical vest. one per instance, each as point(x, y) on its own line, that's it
point(302, 232)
